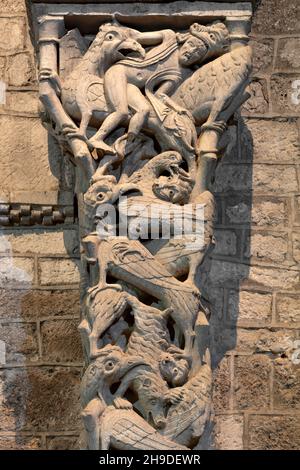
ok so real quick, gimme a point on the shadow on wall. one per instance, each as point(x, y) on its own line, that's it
point(222, 273)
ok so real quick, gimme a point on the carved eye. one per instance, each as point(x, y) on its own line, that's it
point(100, 196)
point(165, 362)
point(212, 36)
point(171, 193)
point(109, 365)
point(175, 370)
point(109, 37)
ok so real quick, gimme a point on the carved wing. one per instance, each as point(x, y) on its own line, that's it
point(176, 249)
point(72, 48)
point(135, 264)
point(183, 419)
point(105, 306)
point(220, 79)
point(134, 433)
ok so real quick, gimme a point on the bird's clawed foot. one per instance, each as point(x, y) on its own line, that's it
point(122, 404)
point(104, 285)
point(101, 146)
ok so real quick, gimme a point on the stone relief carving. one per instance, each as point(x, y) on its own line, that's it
point(143, 116)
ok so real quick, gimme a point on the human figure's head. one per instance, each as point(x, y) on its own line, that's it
point(202, 43)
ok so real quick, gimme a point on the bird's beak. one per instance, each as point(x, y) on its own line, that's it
point(132, 362)
point(131, 48)
point(128, 187)
point(130, 371)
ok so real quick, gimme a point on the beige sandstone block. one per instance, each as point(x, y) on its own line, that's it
point(296, 247)
point(288, 56)
point(288, 308)
point(263, 50)
point(21, 344)
point(275, 179)
point(35, 163)
point(260, 178)
point(40, 399)
point(16, 271)
point(62, 442)
point(273, 278)
point(263, 341)
point(221, 386)
point(271, 141)
point(286, 385)
point(258, 210)
point(42, 242)
point(22, 102)
point(61, 341)
point(252, 382)
point(258, 103)
point(38, 304)
point(276, 17)
point(20, 70)
point(250, 307)
point(17, 442)
point(274, 432)
point(58, 271)
point(267, 247)
point(271, 212)
point(282, 92)
point(15, 6)
point(2, 68)
point(12, 35)
point(229, 432)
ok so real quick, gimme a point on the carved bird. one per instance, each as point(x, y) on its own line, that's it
point(102, 307)
point(83, 89)
point(111, 366)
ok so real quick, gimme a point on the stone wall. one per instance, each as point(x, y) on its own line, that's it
point(254, 276)
point(39, 278)
point(252, 279)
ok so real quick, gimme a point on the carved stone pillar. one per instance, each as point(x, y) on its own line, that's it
point(142, 112)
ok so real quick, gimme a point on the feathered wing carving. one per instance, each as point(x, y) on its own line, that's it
point(126, 430)
point(210, 91)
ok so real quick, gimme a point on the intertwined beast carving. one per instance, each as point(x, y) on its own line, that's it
point(143, 116)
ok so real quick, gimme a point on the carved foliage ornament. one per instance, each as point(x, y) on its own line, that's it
point(143, 117)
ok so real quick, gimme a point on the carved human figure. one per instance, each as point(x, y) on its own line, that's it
point(160, 69)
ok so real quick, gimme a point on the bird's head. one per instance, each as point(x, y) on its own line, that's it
point(112, 365)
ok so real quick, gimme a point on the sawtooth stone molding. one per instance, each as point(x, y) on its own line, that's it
point(142, 112)
point(22, 215)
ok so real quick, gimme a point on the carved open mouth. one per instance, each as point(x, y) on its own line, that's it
point(130, 53)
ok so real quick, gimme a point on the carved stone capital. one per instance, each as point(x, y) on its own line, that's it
point(143, 114)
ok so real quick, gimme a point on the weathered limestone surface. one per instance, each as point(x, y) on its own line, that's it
point(252, 281)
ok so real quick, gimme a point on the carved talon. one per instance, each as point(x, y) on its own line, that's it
point(72, 133)
point(102, 146)
point(179, 354)
point(122, 404)
point(175, 396)
point(49, 74)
